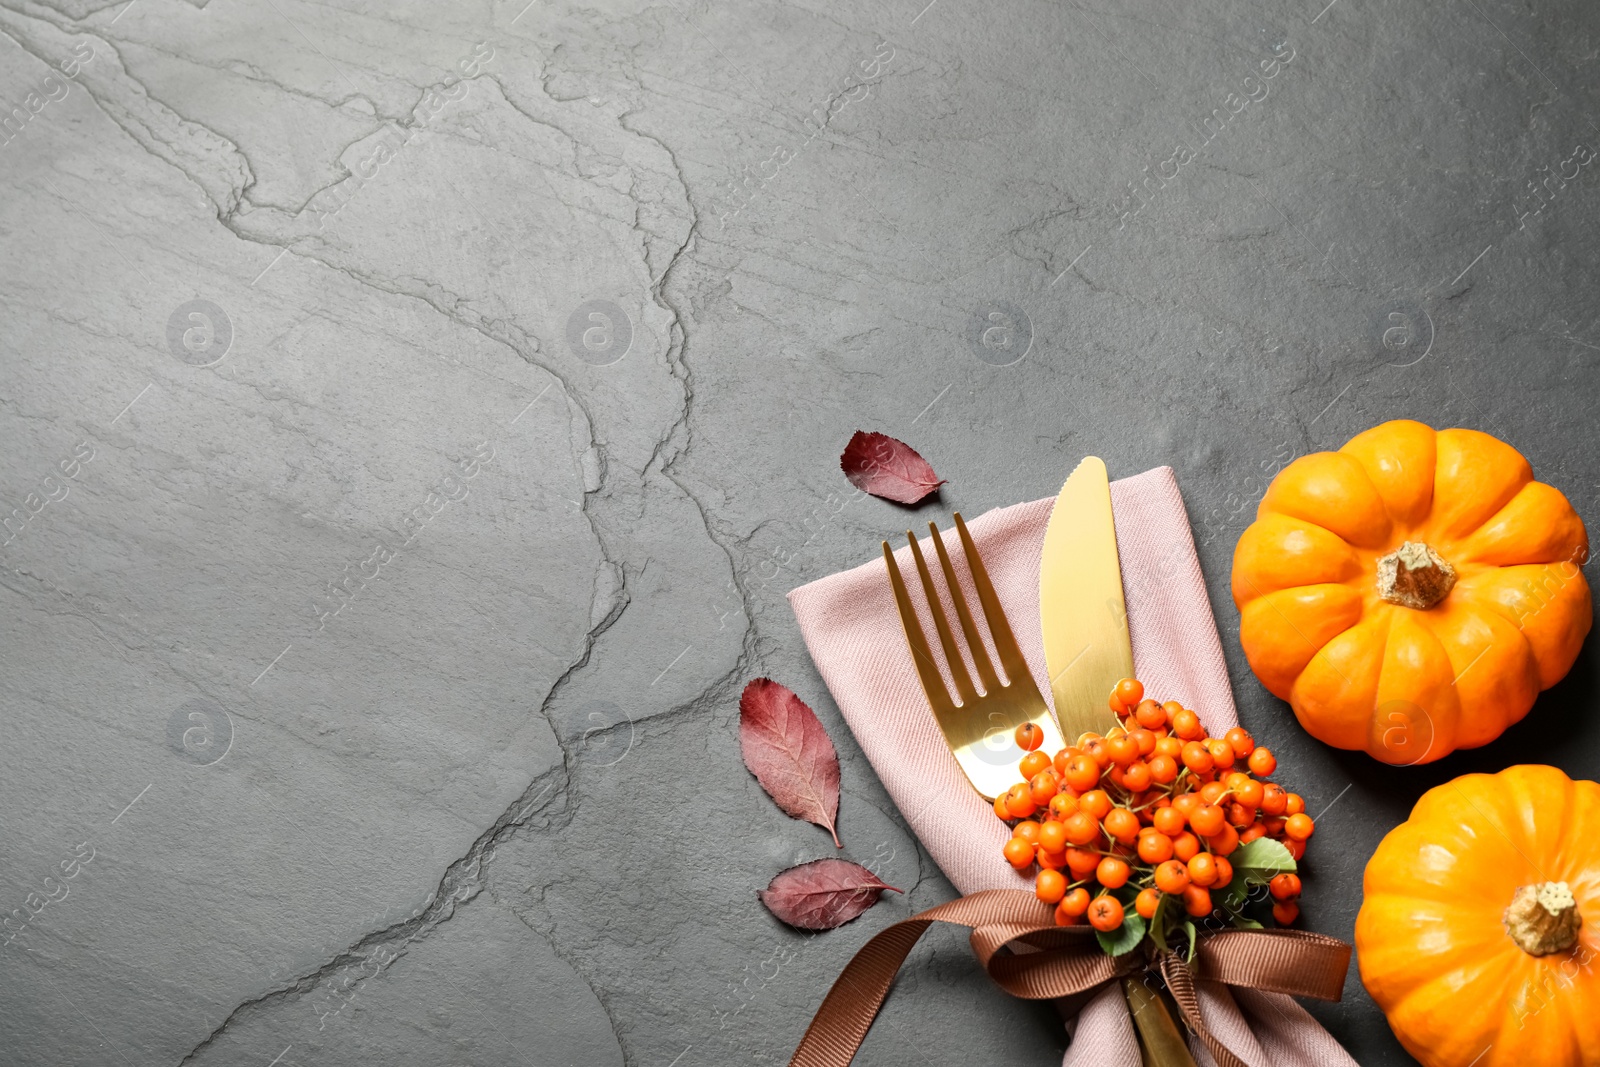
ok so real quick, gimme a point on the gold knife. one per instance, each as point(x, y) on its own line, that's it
point(1087, 650)
point(1086, 645)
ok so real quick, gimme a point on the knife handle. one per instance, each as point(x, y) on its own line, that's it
point(1160, 1037)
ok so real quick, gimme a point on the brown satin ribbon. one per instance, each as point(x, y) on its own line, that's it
point(1062, 961)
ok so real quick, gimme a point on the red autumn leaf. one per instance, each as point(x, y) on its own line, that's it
point(786, 748)
point(822, 894)
point(878, 464)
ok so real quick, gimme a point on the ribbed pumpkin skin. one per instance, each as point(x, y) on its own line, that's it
point(1430, 943)
point(1406, 685)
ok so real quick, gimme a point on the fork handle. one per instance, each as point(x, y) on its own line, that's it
point(1160, 1038)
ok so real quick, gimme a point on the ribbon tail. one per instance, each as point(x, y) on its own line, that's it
point(1055, 962)
point(1180, 982)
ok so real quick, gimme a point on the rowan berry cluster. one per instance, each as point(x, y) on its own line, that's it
point(1152, 809)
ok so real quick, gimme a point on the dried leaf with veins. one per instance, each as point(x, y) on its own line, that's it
point(878, 464)
point(786, 748)
point(823, 894)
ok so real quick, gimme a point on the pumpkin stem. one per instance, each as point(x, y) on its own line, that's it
point(1415, 576)
point(1543, 919)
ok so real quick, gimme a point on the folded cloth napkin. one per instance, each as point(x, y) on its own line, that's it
point(853, 632)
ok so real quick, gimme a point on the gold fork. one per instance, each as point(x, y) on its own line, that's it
point(979, 727)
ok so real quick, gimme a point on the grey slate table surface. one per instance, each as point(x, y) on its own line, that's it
point(413, 416)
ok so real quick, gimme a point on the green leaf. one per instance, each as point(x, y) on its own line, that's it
point(1189, 926)
point(1260, 860)
point(1232, 897)
point(1161, 921)
point(1241, 922)
point(1124, 938)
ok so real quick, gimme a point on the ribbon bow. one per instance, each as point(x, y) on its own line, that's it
point(1063, 961)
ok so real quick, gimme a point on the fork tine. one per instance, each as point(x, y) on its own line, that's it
point(921, 654)
point(980, 655)
point(1005, 642)
point(947, 641)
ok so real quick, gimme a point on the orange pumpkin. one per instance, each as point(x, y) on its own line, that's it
point(1480, 933)
point(1411, 593)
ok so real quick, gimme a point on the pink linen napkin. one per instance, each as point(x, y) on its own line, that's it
point(853, 632)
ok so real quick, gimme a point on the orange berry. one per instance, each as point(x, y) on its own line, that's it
point(1225, 843)
point(1096, 750)
point(1299, 826)
point(1096, 802)
point(1062, 805)
point(1064, 917)
point(1172, 877)
point(1118, 708)
point(1285, 913)
point(1203, 869)
point(1249, 793)
point(1082, 772)
point(1033, 763)
point(1240, 816)
point(1154, 846)
point(1123, 825)
point(1294, 804)
point(1081, 827)
point(1052, 837)
point(1136, 778)
point(1082, 863)
point(1207, 820)
point(1251, 832)
point(1171, 708)
point(1147, 902)
point(1224, 872)
point(1185, 846)
point(1050, 887)
point(1130, 691)
point(1273, 798)
point(1186, 724)
point(1044, 787)
point(1284, 886)
point(1240, 741)
point(1028, 830)
point(1212, 792)
point(1060, 762)
point(1171, 747)
point(1000, 807)
point(1145, 739)
point(1169, 820)
point(1163, 769)
point(1019, 801)
point(1019, 853)
point(1076, 902)
point(1030, 735)
point(1149, 715)
point(1196, 758)
point(1112, 872)
point(1122, 750)
point(1186, 803)
point(1297, 849)
point(1221, 752)
point(1262, 762)
point(1050, 861)
point(1197, 901)
point(1105, 914)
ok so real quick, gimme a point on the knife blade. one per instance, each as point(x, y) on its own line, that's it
point(1087, 649)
